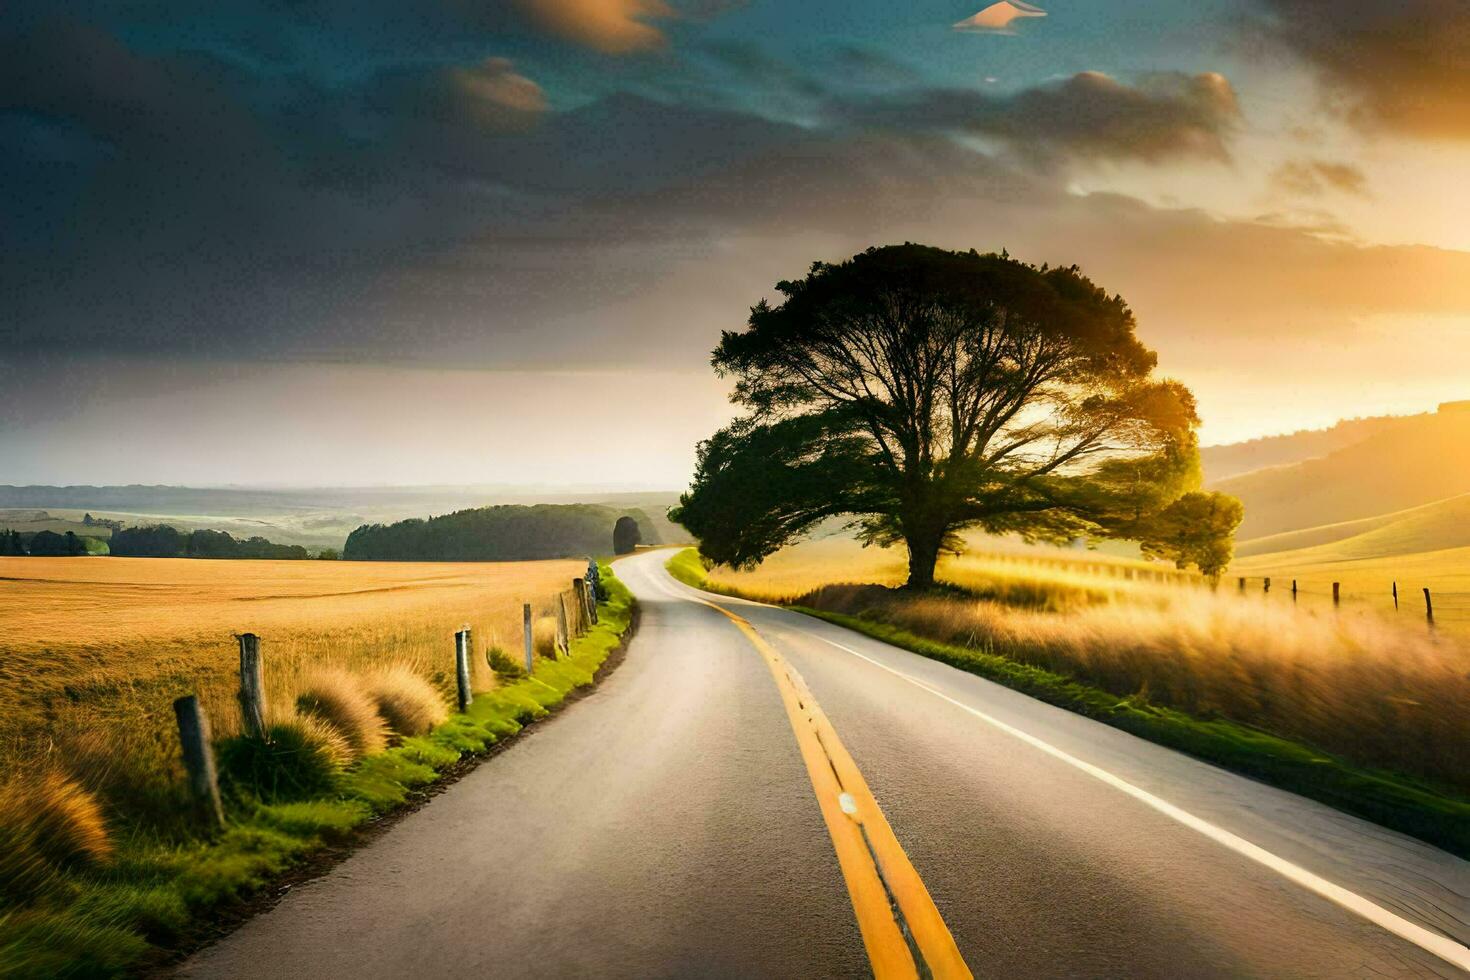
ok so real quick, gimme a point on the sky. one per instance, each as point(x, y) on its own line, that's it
point(322, 242)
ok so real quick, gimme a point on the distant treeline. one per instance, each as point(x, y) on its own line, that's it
point(162, 541)
point(49, 544)
point(508, 532)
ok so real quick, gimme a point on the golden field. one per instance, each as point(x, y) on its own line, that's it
point(94, 650)
point(1381, 690)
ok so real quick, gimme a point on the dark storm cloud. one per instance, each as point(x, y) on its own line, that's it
point(174, 203)
point(1398, 66)
point(1089, 115)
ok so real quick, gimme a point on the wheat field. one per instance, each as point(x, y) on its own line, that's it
point(94, 650)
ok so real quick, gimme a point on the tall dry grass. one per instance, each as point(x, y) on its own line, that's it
point(1378, 690)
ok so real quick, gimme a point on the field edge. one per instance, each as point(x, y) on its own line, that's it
point(1387, 799)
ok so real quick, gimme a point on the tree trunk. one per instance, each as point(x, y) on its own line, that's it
point(923, 556)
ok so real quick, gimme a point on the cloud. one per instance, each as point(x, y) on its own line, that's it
point(1089, 115)
point(1395, 66)
point(178, 207)
point(998, 17)
point(1313, 178)
point(609, 26)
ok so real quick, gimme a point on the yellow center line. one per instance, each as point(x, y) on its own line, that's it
point(888, 896)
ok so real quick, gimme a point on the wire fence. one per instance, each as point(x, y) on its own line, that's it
point(1404, 599)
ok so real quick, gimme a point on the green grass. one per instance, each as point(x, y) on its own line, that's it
point(1388, 799)
point(111, 921)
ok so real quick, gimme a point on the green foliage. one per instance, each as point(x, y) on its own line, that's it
point(504, 665)
point(290, 763)
point(920, 392)
point(1198, 528)
point(163, 541)
point(626, 535)
point(508, 532)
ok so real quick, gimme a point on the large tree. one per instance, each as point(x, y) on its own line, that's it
point(920, 392)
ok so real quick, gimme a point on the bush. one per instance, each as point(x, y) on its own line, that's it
point(407, 702)
point(299, 758)
point(506, 668)
point(338, 698)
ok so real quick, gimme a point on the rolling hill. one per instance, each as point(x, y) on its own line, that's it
point(1420, 460)
point(1439, 526)
point(1234, 459)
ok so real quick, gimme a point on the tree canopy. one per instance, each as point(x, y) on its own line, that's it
point(920, 392)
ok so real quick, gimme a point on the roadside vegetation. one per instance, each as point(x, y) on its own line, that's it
point(104, 862)
point(1351, 708)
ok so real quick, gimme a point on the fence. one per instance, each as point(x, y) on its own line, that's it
point(573, 611)
point(1435, 607)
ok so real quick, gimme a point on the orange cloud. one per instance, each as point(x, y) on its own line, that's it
point(998, 17)
point(610, 26)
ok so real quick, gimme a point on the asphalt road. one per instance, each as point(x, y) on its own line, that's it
point(668, 826)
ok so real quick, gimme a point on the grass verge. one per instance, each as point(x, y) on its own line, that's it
point(118, 917)
point(1385, 798)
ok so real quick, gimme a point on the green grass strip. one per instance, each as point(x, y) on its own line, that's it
point(1385, 798)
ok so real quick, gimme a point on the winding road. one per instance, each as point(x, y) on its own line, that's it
point(757, 793)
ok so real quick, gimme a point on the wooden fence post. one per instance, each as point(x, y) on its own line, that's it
point(528, 636)
point(1267, 587)
point(1293, 590)
point(252, 685)
point(1395, 597)
point(1336, 594)
point(462, 668)
point(591, 587)
point(194, 740)
point(579, 590)
point(1428, 607)
point(563, 641)
point(1240, 583)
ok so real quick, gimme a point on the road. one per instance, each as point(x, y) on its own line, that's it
point(696, 816)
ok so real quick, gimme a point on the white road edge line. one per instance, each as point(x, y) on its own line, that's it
point(1444, 947)
point(1441, 946)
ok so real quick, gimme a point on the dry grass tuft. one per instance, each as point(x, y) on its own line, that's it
point(53, 818)
point(543, 636)
point(406, 701)
point(339, 699)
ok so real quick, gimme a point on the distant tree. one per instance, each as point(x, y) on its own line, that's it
point(626, 536)
point(11, 543)
point(920, 392)
point(329, 554)
point(160, 541)
point(205, 543)
point(506, 532)
point(49, 544)
point(1197, 529)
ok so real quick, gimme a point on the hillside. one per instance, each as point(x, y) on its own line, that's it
point(1234, 459)
point(1441, 525)
point(507, 532)
point(1418, 462)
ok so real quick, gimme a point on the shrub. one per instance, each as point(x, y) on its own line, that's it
point(338, 699)
point(407, 702)
point(300, 757)
point(506, 668)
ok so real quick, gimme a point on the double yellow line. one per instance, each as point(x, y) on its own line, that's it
point(903, 932)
